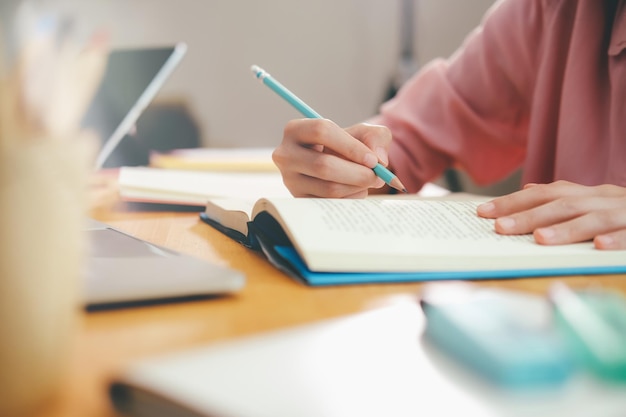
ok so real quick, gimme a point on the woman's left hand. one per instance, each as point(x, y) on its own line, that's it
point(562, 212)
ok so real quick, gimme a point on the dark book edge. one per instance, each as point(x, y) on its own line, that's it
point(135, 401)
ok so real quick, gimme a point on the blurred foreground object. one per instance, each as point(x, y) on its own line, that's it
point(104, 193)
point(492, 332)
point(45, 163)
point(594, 322)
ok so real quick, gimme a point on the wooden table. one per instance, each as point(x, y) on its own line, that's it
point(107, 340)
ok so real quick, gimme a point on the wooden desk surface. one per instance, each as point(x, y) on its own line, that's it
point(270, 300)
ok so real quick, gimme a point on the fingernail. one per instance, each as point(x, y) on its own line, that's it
point(604, 241)
point(370, 160)
point(382, 155)
point(487, 208)
point(546, 233)
point(506, 223)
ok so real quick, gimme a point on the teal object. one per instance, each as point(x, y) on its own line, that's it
point(594, 323)
point(307, 111)
point(498, 341)
point(285, 93)
point(287, 258)
point(383, 173)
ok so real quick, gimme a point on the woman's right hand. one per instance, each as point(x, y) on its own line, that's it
point(317, 158)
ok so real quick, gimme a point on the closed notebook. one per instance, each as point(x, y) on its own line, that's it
point(216, 159)
point(195, 188)
point(335, 241)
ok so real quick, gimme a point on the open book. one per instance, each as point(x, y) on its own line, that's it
point(331, 241)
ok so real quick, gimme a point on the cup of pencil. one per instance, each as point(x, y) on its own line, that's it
point(45, 164)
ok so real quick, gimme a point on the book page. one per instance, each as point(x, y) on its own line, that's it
point(230, 212)
point(421, 220)
point(401, 234)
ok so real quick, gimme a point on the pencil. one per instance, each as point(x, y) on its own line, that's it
point(381, 171)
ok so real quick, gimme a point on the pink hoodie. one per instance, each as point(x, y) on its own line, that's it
point(541, 85)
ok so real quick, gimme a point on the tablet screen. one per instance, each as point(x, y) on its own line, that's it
point(131, 80)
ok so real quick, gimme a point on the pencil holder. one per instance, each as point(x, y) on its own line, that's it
point(42, 250)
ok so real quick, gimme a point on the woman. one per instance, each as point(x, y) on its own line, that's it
point(540, 85)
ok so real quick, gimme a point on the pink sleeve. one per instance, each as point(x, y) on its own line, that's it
point(472, 110)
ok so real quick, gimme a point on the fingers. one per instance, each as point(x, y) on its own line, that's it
point(376, 138)
point(309, 173)
point(311, 132)
point(554, 212)
point(318, 158)
point(614, 241)
point(531, 196)
point(316, 188)
point(561, 213)
point(586, 227)
point(534, 195)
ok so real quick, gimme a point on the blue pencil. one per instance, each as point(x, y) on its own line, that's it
point(382, 172)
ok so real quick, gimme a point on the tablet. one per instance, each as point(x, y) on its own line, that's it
point(131, 80)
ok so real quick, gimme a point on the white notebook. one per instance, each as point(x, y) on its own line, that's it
point(371, 364)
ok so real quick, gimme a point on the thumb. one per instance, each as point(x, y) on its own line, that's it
point(376, 137)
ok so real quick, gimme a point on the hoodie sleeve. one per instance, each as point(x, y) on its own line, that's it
point(470, 111)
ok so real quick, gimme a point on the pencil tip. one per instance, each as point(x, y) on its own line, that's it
point(397, 184)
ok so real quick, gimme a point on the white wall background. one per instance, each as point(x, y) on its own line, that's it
point(338, 55)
